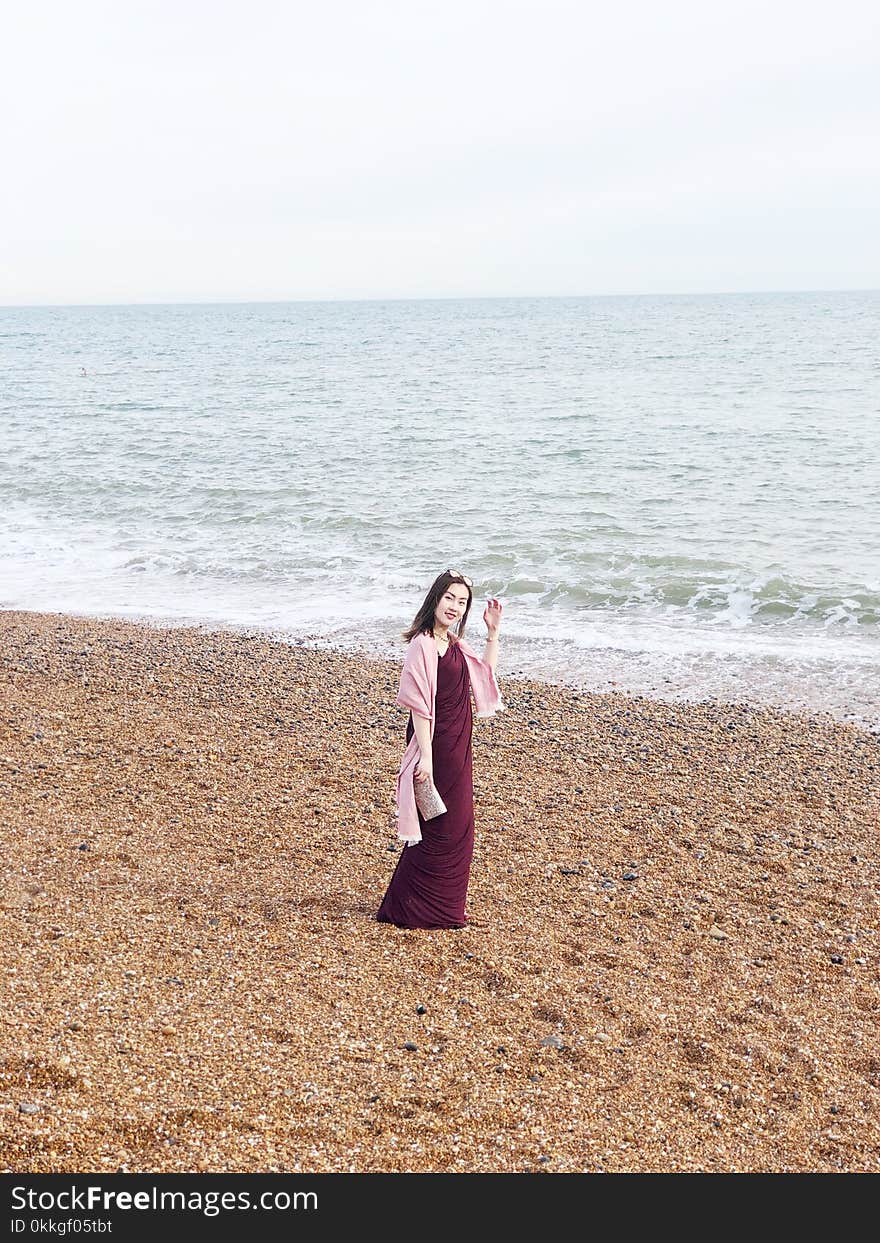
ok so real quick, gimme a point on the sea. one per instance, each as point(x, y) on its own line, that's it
point(674, 497)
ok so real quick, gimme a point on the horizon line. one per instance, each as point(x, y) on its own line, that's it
point(707, 293)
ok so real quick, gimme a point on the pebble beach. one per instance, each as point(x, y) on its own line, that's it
point(672, 963)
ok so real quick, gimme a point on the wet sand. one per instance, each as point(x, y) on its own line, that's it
point(673, 965)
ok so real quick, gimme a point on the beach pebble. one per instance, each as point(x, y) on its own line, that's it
point(233, 884)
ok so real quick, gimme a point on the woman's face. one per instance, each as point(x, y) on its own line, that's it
point(451, 605)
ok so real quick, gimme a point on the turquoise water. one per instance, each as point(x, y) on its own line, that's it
point(673, 496)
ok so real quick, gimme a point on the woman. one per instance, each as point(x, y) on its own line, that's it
point(429, 885)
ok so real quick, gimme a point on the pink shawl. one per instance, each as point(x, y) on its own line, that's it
point(418, 688)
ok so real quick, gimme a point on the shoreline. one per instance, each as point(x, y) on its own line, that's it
point(675, 964)
point(316, 642)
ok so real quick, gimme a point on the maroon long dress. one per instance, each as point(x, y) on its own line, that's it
point(429, 885)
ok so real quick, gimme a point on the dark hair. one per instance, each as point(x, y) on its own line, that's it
point(423, 622)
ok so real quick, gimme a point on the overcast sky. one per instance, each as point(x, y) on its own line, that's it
point(201, 150)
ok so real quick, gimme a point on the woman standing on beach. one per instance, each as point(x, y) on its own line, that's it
point(429, 885)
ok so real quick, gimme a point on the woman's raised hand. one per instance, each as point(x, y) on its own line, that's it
point(492, 615)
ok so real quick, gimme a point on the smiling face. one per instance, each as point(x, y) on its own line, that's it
point(451, 606)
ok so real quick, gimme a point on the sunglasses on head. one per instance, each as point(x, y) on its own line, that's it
point(464, 578)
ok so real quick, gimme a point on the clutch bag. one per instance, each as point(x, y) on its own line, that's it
point(428, 799)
